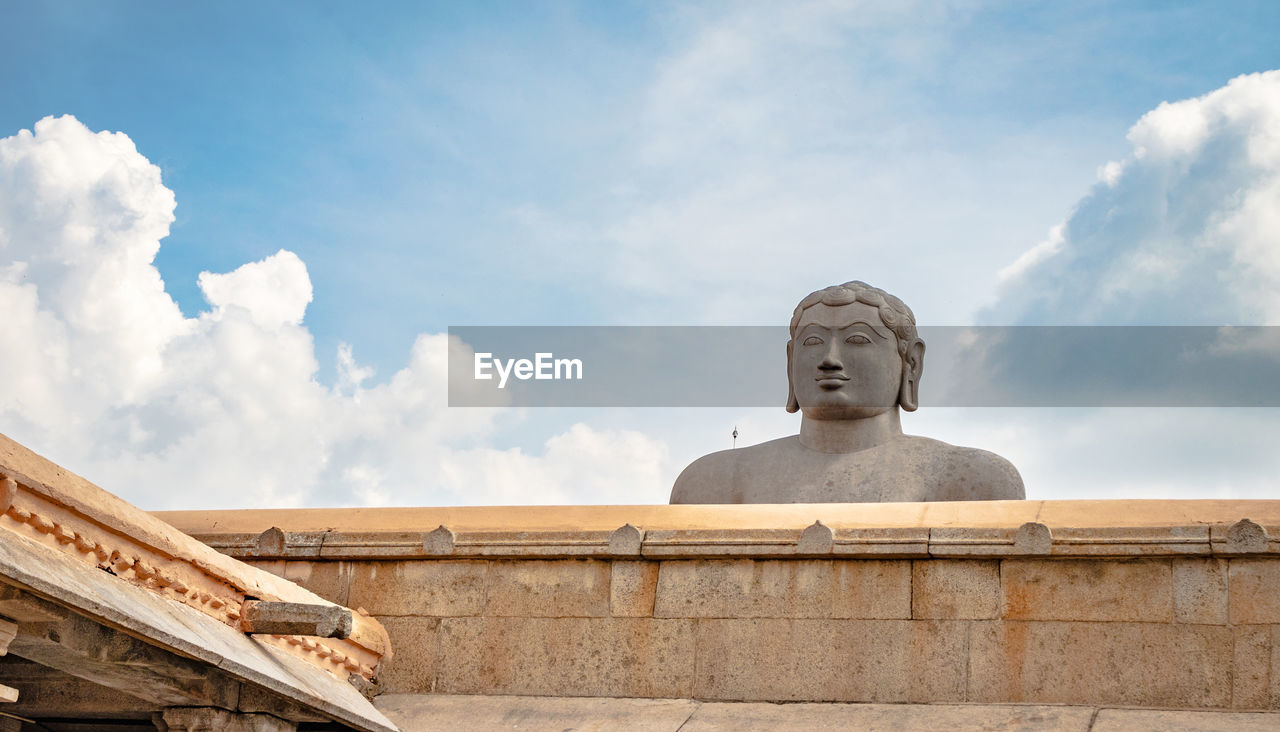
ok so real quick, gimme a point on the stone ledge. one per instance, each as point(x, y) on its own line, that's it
point(1148, 528)
point(57, 509)
point(440, 711)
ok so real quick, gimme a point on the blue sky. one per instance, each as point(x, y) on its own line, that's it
point(438, 164)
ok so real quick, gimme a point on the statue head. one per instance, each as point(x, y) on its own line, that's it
point(853, 353)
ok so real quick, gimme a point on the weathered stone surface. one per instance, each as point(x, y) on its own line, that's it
point(190, 719)
point(295, 618)
point(1077, 527)
point(1086, 589)
point(412, 669)
point(831, 660)
point(1033, 537)
point(1252, 670)
point(955, 588)
point(811, 588)
point(439, 587)
point(49, 689)
point(1128, 541)
point(1145, 720)
point(953, 717)
point(1245, 537)
point(872, 589)
point(330, 580)
point(880, 542)
point(626, 541)
point(1254, 590)
point(642, 657)
point(571, 588)
point(193, 648)
point(632, 586)
point(1139, 664)
point(8, 629)
point(1274, 701)
point(439, 541)
point(68, 514)
point(972, 541)
point(413, 712)
point(1200, 591)
point(817, 539)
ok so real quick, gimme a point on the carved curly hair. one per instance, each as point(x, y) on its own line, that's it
point(896, 315)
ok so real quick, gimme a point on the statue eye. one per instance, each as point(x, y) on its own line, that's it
point(812, 341)
point(858, 339)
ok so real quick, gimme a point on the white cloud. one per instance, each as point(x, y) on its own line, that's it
point(782, 147)
point(1186, 230)
point(275, 291)
point(103, 374)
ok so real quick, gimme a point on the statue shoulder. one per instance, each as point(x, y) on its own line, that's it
point(707, 479)
point(963, 473)
point(987, 476)
point(714, 478)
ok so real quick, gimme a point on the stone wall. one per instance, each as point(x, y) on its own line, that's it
point(1180, 608)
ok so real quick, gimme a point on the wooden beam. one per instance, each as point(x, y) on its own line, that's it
point(84, 649)
point(24, 607)
point(141, 643)
point(8, 629)
point(43, 690)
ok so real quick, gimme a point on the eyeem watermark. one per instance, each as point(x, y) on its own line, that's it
point(976, 366)
point(543, 366)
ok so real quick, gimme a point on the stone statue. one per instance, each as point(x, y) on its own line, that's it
point(854, 359)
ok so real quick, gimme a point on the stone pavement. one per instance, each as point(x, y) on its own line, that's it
point(418, 712)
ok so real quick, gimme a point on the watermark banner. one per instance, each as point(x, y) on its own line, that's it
point(975, 366)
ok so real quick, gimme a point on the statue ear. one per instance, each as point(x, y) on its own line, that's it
point(792, 405)
point(912, 368)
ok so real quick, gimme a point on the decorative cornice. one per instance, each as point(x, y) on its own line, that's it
point(88, 524)
point(822, 538)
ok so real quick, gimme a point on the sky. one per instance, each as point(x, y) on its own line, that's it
point(233, 236)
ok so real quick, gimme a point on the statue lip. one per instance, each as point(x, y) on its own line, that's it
point(831, 381)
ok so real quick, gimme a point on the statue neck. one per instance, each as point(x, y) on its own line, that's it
point(850, 435)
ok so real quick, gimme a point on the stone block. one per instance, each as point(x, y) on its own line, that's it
point(742, 717)
point(1132, 541)
point(1274, 701)
point(435, 587)
point(634, 657)
point(1251, 676)
point(872, 589)
point(631, 588)
point(1200, 591)
point(259, 617)
point(779, 659)
point(1086, 589)
point(580, 714)
point(955, 588)
point(1254, 591)
point(811, 588)
point(1137, 664)
point(1145, 720)
point(412, 668)
point(550, 588)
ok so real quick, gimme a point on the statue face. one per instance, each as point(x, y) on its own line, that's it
point(844, 363)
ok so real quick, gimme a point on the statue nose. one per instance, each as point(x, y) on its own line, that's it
point(831, 363)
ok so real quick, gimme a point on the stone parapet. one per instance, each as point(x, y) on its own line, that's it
point(1122, 528)
point(1162, 604)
